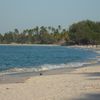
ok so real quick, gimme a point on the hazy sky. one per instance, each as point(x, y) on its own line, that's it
point(24, 14)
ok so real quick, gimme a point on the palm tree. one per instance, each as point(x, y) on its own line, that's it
point(49, 29)
point(16, 31)
point(53, 30)
point(59, 27)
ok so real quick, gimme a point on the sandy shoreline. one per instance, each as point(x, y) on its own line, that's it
point(74, 46)
point(21, 77)
point(75, 85)
point(15, 44)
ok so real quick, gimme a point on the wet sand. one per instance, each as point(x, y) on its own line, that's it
point(21, 77)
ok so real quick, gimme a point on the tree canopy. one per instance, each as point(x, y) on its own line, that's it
point(83, 32)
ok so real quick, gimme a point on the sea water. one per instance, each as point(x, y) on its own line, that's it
point(16, 59)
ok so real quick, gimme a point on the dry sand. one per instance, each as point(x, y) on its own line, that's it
point(81, 83)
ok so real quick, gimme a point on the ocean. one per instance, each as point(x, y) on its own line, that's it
point(17, 59)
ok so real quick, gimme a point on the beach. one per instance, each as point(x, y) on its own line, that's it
point(68, 83)
point(79, 84)
point(50, 50)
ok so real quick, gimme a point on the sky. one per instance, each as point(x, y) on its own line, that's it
point(23, 14)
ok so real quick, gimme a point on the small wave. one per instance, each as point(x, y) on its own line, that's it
point(98, 51)
point(98, 58)
point(44, 67)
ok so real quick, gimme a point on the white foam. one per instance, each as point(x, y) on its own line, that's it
point(44, 67)
point(98, 51)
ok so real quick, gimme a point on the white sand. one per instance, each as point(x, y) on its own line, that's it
point(54, 87)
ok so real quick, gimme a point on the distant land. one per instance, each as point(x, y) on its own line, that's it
point(85, 32)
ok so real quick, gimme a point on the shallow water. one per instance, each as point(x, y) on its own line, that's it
point(36, 58)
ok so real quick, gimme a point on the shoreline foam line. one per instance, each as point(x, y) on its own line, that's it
point(46, 67)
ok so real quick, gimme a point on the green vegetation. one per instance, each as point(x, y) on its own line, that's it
point(84, 32)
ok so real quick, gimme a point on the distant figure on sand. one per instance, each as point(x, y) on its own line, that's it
point(41, 74)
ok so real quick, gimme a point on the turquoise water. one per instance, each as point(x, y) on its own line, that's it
point(36, 58)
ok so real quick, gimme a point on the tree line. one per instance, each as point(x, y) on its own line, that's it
point(81, 33)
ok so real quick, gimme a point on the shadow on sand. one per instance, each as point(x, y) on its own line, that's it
point(93, 76)
point(89, 97)
point(94, 96)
